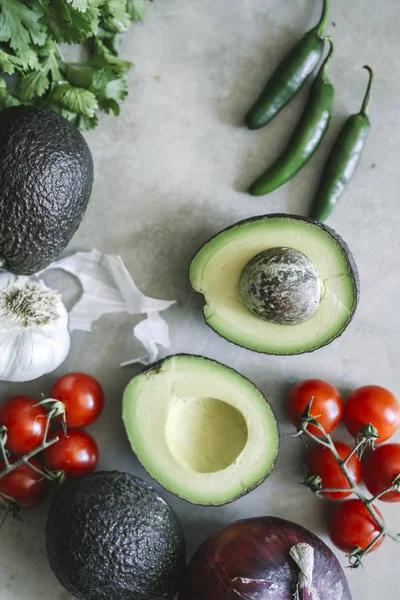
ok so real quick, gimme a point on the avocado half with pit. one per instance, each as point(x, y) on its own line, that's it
point(201, 429)
point(278, 284)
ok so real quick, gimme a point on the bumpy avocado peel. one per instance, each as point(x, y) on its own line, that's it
point(46, 177)
point(110, 536)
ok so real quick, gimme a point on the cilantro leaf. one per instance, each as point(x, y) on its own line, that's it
point(29, 59)
point(20, 25)
point(50, 59)
point(83, 5)
point(9, 63)
point(115, 16)
point(109, 87)
point(6, 99)
point(74, 99)
point(79, 121)
point(107, 57)
point(136, 9)
point(35, 83)
point(31, 32)
point(66, 24)
point(110, 39)
point(86, 123)
point(106, 84)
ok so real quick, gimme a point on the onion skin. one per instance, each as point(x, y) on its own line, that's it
point(250, 559)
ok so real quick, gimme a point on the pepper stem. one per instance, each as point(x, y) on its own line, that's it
point(321, 25)
point(365, 103)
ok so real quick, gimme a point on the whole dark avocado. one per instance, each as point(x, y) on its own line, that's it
point(46, 177)
point(109, 536)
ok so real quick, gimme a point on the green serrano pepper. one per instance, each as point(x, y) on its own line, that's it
point(343, 159)
point(306, 137)
point(290, 76)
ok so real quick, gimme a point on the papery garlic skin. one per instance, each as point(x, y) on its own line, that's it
point(34, 335)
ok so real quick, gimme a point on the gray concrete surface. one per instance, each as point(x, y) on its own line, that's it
point(170, 171)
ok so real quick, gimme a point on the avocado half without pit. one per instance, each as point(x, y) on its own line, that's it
point(201, 429)
point(278, 284)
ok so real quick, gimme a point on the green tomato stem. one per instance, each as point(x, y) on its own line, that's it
point(3, 439)
point(355, 557)
point(331, 491)
point(9, 467)
point(353, 452)
point(393, 488)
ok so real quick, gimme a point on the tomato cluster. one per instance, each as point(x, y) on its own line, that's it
point(350, 524)
point(26, 423)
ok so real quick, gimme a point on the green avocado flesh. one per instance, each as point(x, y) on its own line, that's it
point(201, 429)
point(217, 268)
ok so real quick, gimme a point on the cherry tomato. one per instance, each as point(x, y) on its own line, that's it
point(25, 422)
point(327, 406)
point(376, 405)
point(320, 461)
point(75, 454)
point(381, 468)
point(82, 396)
point(350, 524)
point(25, 485)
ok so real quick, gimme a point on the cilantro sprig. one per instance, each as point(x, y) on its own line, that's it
point(34, 70)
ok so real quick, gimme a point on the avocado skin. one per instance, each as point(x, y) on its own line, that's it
point(46, 177)
point(352, 269)
point(109, 536)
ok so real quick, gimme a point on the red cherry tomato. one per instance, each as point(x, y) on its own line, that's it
point(320, 461)
point(25, 422)
point(376, 405)
point(381, 468)
point(75, 454)
point(25, 485)
point(82, 396)
point(327, 406)
point(350, 525)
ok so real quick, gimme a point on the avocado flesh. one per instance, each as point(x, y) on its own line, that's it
point(200, 429)
point(46, 177)
point(216, 269)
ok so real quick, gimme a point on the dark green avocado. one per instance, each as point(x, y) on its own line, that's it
point(110, 536)
point(46, 177)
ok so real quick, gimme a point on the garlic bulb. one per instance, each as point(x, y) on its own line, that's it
point(34, 335)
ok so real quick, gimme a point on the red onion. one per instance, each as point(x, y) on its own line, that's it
point(264, 558)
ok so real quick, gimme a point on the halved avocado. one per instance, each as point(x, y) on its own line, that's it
point(201, 429)
point(298, 269)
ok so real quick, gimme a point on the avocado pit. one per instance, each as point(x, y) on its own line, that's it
point(281, 285)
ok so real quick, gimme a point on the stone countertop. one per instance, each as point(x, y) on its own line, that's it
point(170, 172)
